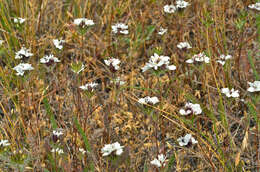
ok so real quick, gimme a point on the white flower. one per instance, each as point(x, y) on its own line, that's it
point(181, 4)
point(255, 6)
point(223, 59)
point(222, 62)
point(230, 93)
point(49, 59)
point(58, 150)
point(19, 20)
point(184, 141)
point(89, 86)
point(254, 86)
point(83, 21)
point(157, 61)
point(22, 67)
point(109, 148)
point(201, 57)
point(58, 43)
point(151, 100)
point(120, 28)
point(1, 42)
point(57, 132)
point(114, 62)
point(82, 151)
point(4, 143)
point(23, 52)
point(183, 45)
point(190, 108)
point(169, 8)
point(162, 31)
point(160, 161)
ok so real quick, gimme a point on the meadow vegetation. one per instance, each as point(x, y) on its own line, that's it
point(129, 85)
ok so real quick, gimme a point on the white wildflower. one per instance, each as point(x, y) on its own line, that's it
point(160, 161)
point(58, 150)
point(162, 31)
point(49, 59)
point(223, 59)
point(23, 52)
point(230, 93)
point(184, 45)
point(181, 4)
point(109, 148)
point(22, 67)
point(157, 61)
point(58, 43)
point(254, 86)
point(201, 57)
point(82, 151)
point(169, 8)
point(120, 28)
point(4, 143)
point(90, 86)
point(191, 108)
point(255, 6)
point(83, 22)
point(151, 100)
point(57, 132)
point(114, 62)
point(19, 20)
point(184, 141)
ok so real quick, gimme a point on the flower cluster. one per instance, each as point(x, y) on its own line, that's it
point(83, 22)
point(109, 148)
point(162, 31)
point(90, 86)
point(19, 20)
point(201, 57)
point(22, 53)
point(157, 61)
point(148, 100)
point(58, 43)
point(180, 4)
point(4, 143)
point(184, 45)
point(22, 67)
point(113, 62)
point(230, 93)
point(49, 59)
point(255, 6)
point(223, 59)
point(254, 86)
point(120, 28)
point(190, 108)
point(160, 161)
point(186, 140)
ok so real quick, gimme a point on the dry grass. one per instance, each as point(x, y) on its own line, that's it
point(44, 99)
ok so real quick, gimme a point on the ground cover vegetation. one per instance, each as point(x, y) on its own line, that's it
point(129, 85)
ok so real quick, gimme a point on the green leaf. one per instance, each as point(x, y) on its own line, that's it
point(49, 112)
